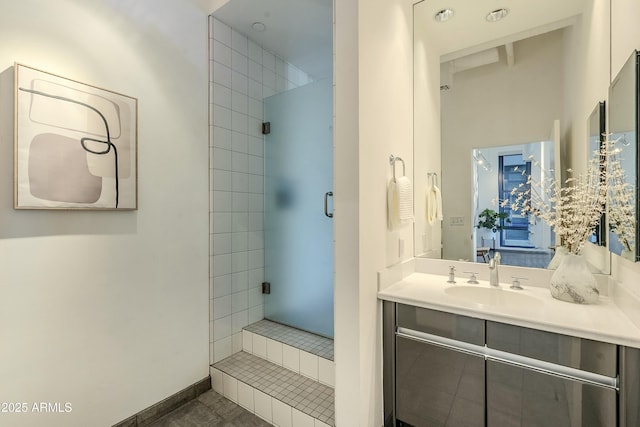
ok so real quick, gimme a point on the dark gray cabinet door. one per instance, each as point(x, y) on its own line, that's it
point(519, 397)
point(436, 386)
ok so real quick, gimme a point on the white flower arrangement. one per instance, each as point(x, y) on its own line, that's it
point(620, 200)
point(574, 209)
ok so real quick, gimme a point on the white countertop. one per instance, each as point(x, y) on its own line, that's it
point(603, 321)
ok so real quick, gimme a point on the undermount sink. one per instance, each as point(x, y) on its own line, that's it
point(493, 296)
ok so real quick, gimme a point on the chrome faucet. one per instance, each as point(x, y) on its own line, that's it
point(493, 270)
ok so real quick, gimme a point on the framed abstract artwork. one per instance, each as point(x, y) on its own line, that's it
point(75, 144)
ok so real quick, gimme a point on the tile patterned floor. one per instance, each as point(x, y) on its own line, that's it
point(210, 409)
point(302, 393)
point(315, 344)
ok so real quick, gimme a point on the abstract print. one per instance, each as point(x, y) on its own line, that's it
point(76, 144)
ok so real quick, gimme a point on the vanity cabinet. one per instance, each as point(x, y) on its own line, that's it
point(443, 369)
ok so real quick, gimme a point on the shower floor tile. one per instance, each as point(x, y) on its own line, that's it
point(297, 391)
point(306, 341)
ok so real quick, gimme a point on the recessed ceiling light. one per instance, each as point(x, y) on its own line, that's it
point(497, 15)
point(258, 26)
point(443, 15)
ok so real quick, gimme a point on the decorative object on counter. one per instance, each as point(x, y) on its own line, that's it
point(75, 144)
point(399, 197)
point(573, 210)
point(573, 281)
point(433, 199)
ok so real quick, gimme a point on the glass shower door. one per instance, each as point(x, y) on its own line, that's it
point(298, 234)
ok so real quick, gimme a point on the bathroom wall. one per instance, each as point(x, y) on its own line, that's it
point(242, 74)
point(625, 37)
point(108, 310)
point(373, 118)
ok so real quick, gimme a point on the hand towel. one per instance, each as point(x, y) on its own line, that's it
point(399, 202)
point(433, 204)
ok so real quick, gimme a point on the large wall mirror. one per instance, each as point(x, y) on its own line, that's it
point(624, 118)
point(495, 97)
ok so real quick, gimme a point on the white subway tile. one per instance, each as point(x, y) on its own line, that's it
point(239, 42)
point(255, 240)
point(255, 221)
point(239, 320)
point(240, 162)
point(221, 349)
point(281, 67)
point(221, 32)
point(239, 122)
point(269, 60)
point(255, 184)
point(222, 327)
point(256, 313)
point(221, 265)
point(222, 117)
point(221, 53)
point(222, 286)
point(260, 346)
point(216, 380)
point(240, 103)
point(255, 296)
point(240, 239)
point(222, 223)
point(222, 159)
point(268, 79)
point(230, 387)
point(281, 414)
point(222, 308)
point(255, 259)
point(326, 371)
point(239, 301)
point(291, 358)
point(309, 365)
point(255, 71)
point(247, 341)
point(262, 405)
point(239, 221)
point(222, 74)
point(239, 261)
point(222, 243)
point(254, 127)
point(239, 281)
point(221, 137)
point(239, 142)
point(239, 82)
point(301, 419)
point(222, 201)
point(222, 180)
point(240, 203)
point(254, 89)
point(245, 396)
point(255, 52)
point(255, 108)
point(236, 342)
point(222, 95)
point(239, 63)
point(274, 351)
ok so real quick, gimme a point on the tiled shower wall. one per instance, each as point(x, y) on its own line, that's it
point(241, 74)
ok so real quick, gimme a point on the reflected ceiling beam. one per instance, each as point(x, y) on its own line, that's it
point(511, 60)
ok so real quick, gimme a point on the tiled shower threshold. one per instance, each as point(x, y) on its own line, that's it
point(272, 390)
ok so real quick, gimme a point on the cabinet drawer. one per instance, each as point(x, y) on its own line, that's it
point(587, 355)
point(461, 328)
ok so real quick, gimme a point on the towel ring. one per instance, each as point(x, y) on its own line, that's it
point(434, 177)
point(392, 161)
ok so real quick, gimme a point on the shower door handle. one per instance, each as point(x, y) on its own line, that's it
point(326, 209)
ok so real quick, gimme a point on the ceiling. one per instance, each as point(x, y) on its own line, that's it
point(299, 31)
point(468, 28)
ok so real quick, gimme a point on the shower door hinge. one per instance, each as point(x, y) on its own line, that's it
point(266, 287)
point(266, 128)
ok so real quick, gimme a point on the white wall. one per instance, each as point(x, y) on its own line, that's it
point(625, 36)
point(109, 310)
point(373, 108)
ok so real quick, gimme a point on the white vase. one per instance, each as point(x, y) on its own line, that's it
point(561, 251)
point(573, 281)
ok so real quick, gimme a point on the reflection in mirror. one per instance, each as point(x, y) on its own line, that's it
point(624, 108)
point(501, 85)
point(597, 135)
point(522, 239)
